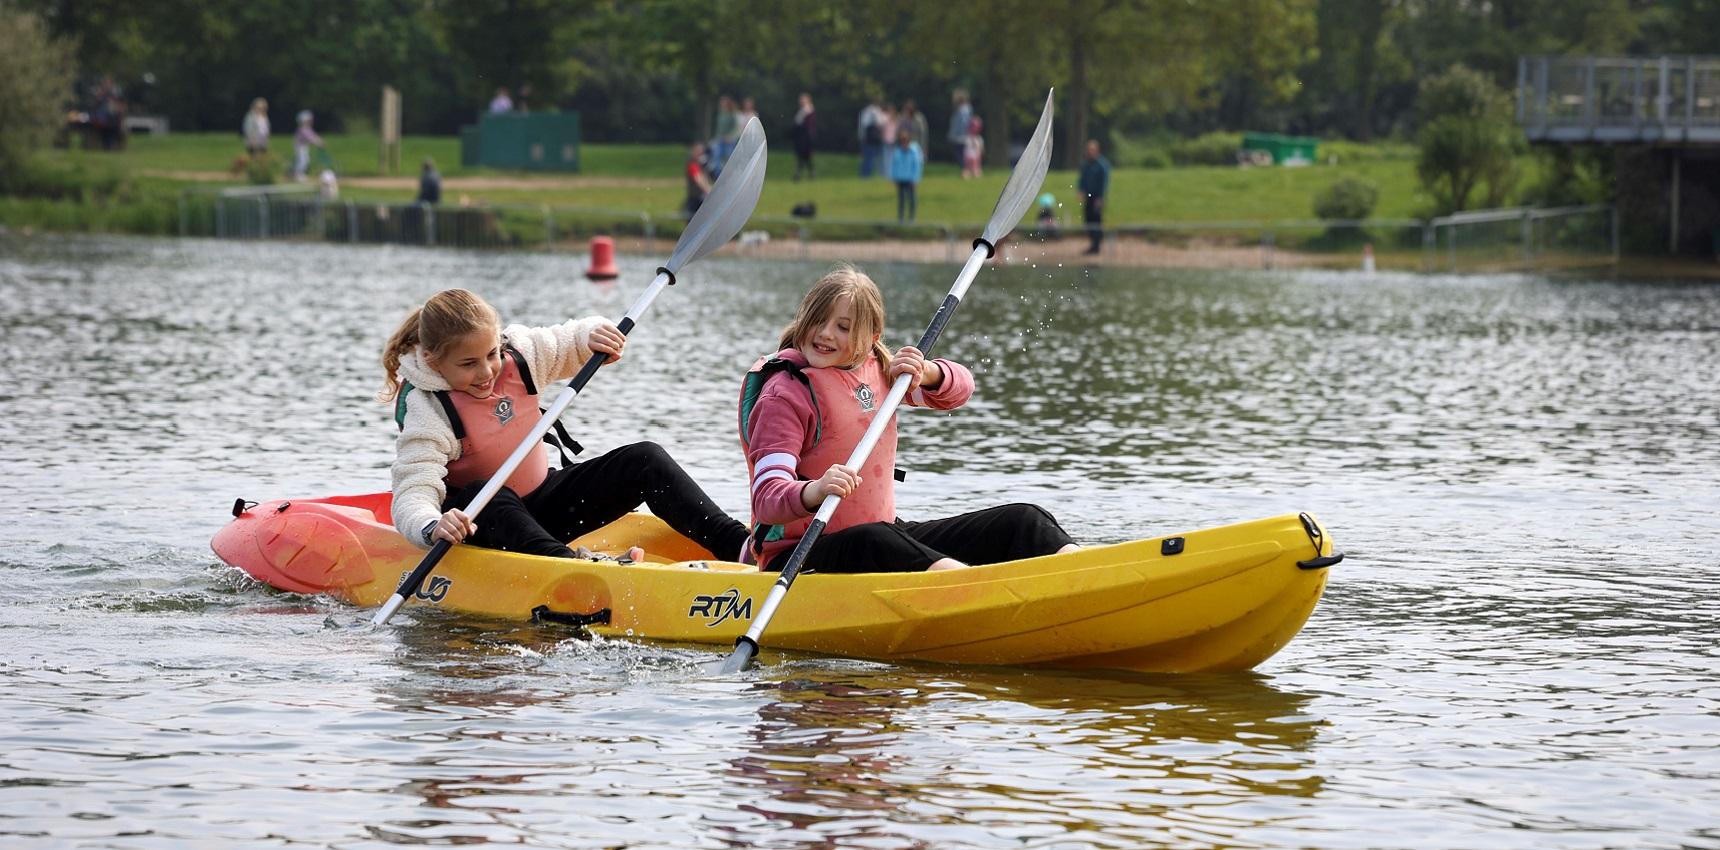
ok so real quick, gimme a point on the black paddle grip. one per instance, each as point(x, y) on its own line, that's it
point(797, 558)
point(936, 328)
point(597, 360)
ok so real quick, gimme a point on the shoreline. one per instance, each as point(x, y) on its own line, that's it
point(1068, 252)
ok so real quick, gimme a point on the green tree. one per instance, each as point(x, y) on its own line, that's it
point(1123, 60)
point(1259, 45)
point(1469, 140)
point(1000, 45)
point(35, 78)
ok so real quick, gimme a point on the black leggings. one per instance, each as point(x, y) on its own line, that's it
point(989, 536)
point(589, 495)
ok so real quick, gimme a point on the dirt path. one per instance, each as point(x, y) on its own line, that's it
point(1060, 253)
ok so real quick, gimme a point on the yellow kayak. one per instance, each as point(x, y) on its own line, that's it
point(1218, 599)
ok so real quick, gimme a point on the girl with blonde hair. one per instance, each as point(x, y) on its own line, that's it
point(465, 394)
point(802, 412)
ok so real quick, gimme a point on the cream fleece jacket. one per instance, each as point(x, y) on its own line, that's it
point(426, 444)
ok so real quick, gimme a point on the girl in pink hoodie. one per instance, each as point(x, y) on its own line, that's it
point(804, 410)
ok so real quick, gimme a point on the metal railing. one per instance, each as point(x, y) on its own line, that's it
point(1522, 238)
point(1619, 99)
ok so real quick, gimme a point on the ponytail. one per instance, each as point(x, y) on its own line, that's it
point(403, 341)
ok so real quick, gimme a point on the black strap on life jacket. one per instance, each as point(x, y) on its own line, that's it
point(564, 443)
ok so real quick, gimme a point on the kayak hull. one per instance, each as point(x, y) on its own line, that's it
point(1229, 599)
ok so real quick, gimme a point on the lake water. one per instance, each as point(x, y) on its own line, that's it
point(1520, 652)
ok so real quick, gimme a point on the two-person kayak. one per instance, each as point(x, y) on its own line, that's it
point(1223, 598)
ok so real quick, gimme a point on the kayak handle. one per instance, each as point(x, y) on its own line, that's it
point(1320, 563)
point(1318, 538)
point(543, 614)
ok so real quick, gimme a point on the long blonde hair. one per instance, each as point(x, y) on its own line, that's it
point(820, 302)
point(445, 319)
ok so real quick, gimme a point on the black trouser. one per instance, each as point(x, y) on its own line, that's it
point(1094, 217)
point(989, 536)
point(589, 495)
point(904, 200)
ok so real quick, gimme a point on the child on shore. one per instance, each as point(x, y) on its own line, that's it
point(304, 139)
point(452, 360)
point(804, 410)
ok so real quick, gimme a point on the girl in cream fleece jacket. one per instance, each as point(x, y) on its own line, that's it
point(451, 356)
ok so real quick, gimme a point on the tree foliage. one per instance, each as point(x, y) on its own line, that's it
point(35, 75)
point(650, 70)
point(1469, 140)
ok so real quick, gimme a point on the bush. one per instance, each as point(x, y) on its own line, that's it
point(1147, 152)
point(1350, 198)
point(81, 179)
point(1210, 149)
point(35, 74)
point(260, 169)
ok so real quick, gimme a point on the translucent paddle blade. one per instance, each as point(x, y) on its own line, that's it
point(1024, 184)
point(730, 203)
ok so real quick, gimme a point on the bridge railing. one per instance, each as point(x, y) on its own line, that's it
point(1619, 99)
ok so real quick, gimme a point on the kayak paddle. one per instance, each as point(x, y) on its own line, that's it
point(1018, 193)
point(728, 206)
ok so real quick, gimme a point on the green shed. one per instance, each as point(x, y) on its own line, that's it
point(536, 141)
point(1284, 150)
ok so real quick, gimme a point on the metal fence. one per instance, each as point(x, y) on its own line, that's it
point(1619, 99)
point(1522, 238)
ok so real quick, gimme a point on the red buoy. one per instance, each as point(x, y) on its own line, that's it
point(602, 259)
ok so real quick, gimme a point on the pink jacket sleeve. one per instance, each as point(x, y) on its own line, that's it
point(953, 392)
point(782, 420)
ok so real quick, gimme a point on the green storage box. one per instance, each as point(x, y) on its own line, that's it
point(469, 141)
point(536, 141)
point(1284, 150)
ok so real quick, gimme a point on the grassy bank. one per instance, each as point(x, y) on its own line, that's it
point(135, 190)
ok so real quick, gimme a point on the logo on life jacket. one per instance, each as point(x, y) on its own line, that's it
point(864, 394)
point(717, 609)
point(504, 410)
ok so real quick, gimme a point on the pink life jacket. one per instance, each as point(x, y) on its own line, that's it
point(845, 401)
point(494, 427)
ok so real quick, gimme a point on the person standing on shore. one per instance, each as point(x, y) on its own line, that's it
point(698, 181)
point(726, 133)
point(907, 161)
point(304, 139)
point(1095, 181)
point(914, 121)
point(429, 184)
point(871, 138)
point(973, 147)
point(255, 128)
point(959, 118)
point(805, 132)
